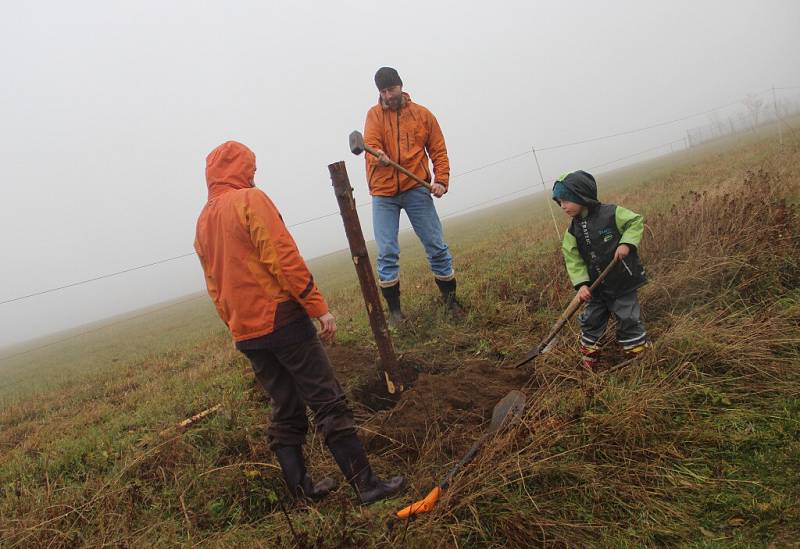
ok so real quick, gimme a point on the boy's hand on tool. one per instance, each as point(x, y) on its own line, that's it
point(328, 324)
point(584, 293)
point(622, 252)
point(437, 189)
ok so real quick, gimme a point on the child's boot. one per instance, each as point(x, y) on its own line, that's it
point(635, 351)
point(590, 356)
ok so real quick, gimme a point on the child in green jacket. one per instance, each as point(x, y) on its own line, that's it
point(598, 233)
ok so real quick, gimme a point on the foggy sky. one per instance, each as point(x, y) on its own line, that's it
point(108, 110)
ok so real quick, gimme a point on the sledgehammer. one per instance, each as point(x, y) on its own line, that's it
point(357, 146)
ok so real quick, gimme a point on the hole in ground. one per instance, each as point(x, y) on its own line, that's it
point(371, 390)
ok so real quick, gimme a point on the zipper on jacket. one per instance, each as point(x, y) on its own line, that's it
point(398, 150)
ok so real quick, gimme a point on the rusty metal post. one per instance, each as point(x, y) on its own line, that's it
point(358, 250)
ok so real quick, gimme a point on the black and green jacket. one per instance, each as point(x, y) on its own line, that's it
point(591, 240)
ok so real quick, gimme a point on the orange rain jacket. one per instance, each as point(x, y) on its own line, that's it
point(407, 136)
point(254, 273)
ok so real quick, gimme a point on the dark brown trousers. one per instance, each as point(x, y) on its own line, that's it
point(296, 376)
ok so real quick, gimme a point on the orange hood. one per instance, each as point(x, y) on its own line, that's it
point(228, 167)
point(254, 272)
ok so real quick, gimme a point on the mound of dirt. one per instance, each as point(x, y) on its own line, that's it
point(357, 370)
point(445, 406)
point(444, 409)
point(352, 364)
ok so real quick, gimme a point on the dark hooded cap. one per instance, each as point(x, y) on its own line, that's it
point(386, 77)
point(578, 187)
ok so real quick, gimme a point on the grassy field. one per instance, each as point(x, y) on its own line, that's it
point(697, 444)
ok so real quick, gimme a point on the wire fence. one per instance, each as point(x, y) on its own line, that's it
point(694, 136)
point(758, 112)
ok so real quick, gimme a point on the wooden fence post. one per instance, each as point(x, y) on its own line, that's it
point(358, 251)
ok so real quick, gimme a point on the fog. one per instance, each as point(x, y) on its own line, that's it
point(108, 110)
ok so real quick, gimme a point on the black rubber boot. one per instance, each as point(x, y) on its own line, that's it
point(392, 297)
point(453, 307)
point(297, 480)
point(352, 459)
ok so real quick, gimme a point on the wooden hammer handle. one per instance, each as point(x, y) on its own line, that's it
point(397, 166)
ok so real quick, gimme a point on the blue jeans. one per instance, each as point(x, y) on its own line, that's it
point(418, 204)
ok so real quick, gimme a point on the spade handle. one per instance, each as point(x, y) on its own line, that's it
point(573, 306)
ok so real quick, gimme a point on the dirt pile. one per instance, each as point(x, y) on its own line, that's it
point(448, 407)
point(443, 410)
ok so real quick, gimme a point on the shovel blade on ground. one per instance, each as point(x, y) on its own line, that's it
point(539, 350)
point(510, 406)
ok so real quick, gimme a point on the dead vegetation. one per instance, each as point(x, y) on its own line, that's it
point(697, 443)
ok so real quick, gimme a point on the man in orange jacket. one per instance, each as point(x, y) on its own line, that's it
point(265, 294)
point(408, 133)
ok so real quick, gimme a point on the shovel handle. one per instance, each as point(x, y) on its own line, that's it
point(429, 502)
point(424, 505)
point(604, 274)
point(510, 406)
point(573, 306)
point(400, 168)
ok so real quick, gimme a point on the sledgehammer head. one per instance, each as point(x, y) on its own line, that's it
point(356, 143)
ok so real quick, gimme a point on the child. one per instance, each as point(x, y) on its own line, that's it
point(598, 233)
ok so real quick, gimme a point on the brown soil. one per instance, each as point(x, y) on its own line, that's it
point(352, 364)
point(445, 406)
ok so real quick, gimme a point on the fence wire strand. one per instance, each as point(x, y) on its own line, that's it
point(460, 174)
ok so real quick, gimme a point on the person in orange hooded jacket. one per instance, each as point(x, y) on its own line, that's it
point(266, 295)
point(403, 131)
